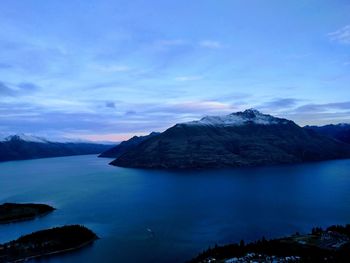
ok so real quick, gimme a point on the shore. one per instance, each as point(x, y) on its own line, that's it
point(13, 212)
point(47, 242)
point(321, 245)
point(58, 251)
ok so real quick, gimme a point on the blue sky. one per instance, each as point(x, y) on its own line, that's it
point(106, 70)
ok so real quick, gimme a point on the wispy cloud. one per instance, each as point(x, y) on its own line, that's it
point(279, 104)
point(318, 118)
point(32, 57)
point(108, 75)
point(233, 96)
point(308, 108)
point(188, 78)
point(13, 90)
point(297, 56)
point(5, 90)
point(341, 35)
point(139, 118)
point(165, 43)
point(211, 44)
point(203, 107)
point(27, 86)
point(110, 104)
point(129, 118)
point(310, 113)
point(5, 66)
point(112, 68)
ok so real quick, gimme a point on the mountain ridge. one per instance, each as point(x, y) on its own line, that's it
point(124, 146)
point(340, 131)
point(19, 147)
point(252, 140)
point(239, 118)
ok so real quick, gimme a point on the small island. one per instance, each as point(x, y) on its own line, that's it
point(321, 245)
point(46, 242)
point(11, 212)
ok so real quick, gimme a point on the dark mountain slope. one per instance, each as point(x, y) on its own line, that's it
point(126, 145)
point(340, 131)
point(246, 138)
point(15, 148)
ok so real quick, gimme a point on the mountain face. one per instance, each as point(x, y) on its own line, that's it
point(126, 146)
point(247, 138)
point(340, 131)
point(21, 147)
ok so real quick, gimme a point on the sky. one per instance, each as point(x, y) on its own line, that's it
point(107, 70)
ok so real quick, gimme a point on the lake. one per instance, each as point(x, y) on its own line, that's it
point(185, 211)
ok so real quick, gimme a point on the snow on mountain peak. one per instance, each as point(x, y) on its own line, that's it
point(38, 139)
point(239, 118)
point(25, 137)
point(252, 112)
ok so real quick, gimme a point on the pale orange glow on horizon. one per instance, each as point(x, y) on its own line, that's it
point(110, 137)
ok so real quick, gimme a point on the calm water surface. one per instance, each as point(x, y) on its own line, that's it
point(187, 211)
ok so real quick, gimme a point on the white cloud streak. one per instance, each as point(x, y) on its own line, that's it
point(341, 35)
point(210, 44)
point(188, 78)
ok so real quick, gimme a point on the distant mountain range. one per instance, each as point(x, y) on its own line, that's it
point(247, 138)
point(21, 147)
point(125, 146)
point(339, 131)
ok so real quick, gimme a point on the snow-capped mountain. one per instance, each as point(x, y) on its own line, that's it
point(38, 139)
point(24, 137)
point(22, 146)
point(247, 138)
point(240, 118)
